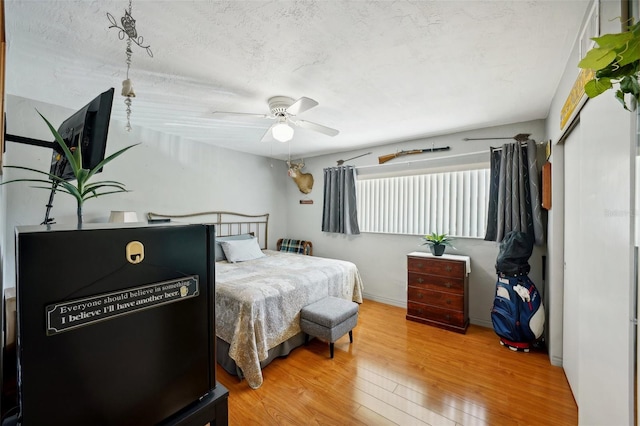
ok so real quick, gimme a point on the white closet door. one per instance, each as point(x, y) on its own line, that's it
point(572, 264)
point(598, 349)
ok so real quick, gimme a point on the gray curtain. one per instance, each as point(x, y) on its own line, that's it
point(514, 195)
point(339, 213)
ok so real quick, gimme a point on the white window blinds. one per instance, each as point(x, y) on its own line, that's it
point(454, 203)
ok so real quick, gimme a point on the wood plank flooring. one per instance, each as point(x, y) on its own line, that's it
point(405, 373)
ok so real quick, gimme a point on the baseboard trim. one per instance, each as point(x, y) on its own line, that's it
point(481, 322)
point(385, 300)
point(403, 304)
point(556, 361)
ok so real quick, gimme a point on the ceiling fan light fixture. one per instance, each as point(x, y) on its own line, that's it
point(282, 132)
point(284, 110)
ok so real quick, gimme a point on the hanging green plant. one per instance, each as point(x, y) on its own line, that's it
point(82, 190)
point(615, 59)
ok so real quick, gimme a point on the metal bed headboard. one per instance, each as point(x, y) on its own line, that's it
point(227, 223)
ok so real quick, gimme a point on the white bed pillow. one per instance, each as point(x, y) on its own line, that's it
point(220, 252)
point(241, 250)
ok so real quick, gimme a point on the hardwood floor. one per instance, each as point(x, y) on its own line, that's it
point(406, 373)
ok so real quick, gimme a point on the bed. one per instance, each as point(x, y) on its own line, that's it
point(258, 301)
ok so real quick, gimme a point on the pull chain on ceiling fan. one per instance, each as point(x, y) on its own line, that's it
point(284, 110)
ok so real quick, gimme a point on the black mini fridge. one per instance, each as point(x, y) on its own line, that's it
point(116, 324)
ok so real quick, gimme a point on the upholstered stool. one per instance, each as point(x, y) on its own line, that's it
point(329, 319)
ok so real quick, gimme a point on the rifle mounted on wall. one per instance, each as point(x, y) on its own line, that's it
point(383, 159)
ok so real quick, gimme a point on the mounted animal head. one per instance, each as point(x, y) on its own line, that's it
point(303, 180)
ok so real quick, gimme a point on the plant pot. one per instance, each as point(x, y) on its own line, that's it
point(437, 249)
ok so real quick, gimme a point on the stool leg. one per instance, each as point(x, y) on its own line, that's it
point(331, 349)
point(351, 336)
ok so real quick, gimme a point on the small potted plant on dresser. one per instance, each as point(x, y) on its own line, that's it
point(437, 242)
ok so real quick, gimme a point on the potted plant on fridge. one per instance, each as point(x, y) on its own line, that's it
point(80, 188)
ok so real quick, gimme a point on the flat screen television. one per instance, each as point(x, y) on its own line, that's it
point(87, 128)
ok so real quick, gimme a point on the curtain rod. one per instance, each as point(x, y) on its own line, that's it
point(522, 144)
point(498, 148)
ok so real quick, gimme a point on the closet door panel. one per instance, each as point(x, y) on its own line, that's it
point(572, 264)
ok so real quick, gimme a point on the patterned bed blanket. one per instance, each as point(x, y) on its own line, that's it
point(258, 302)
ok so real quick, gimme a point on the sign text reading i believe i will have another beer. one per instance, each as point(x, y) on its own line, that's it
point(68, 315)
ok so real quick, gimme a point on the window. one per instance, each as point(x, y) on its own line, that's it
point(454, 203)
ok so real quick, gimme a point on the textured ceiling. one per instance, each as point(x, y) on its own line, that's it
point(382, 71)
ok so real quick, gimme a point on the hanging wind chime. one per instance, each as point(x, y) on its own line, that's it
point(128, 30)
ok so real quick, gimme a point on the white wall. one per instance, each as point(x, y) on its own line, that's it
point(169, 175)
point(164, 174)
point(381, 258)
point(601, 355)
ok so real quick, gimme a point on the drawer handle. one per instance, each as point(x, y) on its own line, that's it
point(420, 311)
point(419, 265)
point(420, 280)
point(448, 302)
point(420, 295)
point(448, 268)
point(447, 285)
point(448, 316)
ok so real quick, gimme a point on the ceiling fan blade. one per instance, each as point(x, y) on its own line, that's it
point(268, 135)
point(316, 127)
point(244, 114)
point(301, 105)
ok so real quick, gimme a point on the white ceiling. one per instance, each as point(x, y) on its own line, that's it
point(382, 71)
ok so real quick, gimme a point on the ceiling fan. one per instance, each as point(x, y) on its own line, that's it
point(284, 111)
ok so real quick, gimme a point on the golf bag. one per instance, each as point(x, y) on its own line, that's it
point(518, 312)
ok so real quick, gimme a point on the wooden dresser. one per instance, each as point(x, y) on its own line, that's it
point(438, 288)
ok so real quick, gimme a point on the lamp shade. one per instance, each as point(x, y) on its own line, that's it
point(282, 132)
point(118, 216)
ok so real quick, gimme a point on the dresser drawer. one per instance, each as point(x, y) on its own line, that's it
point(440, 315)
point(436, 282)
point(440, 267)
point(436, 298)
point(437, 291)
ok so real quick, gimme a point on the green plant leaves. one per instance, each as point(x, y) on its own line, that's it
point(620, 98)
point(631, 53)
point(615, 71)
point(435, 239)
point(596, 87)
point(613, 41)
point(109, 159)
point(82, 190)
point(65, 148)
point(597, 58)
point(615, 60)
point(629, 84)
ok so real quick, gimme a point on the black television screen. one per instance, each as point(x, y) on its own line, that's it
point(87, 128)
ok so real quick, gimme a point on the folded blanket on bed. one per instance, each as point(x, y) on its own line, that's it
point(292, 246)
